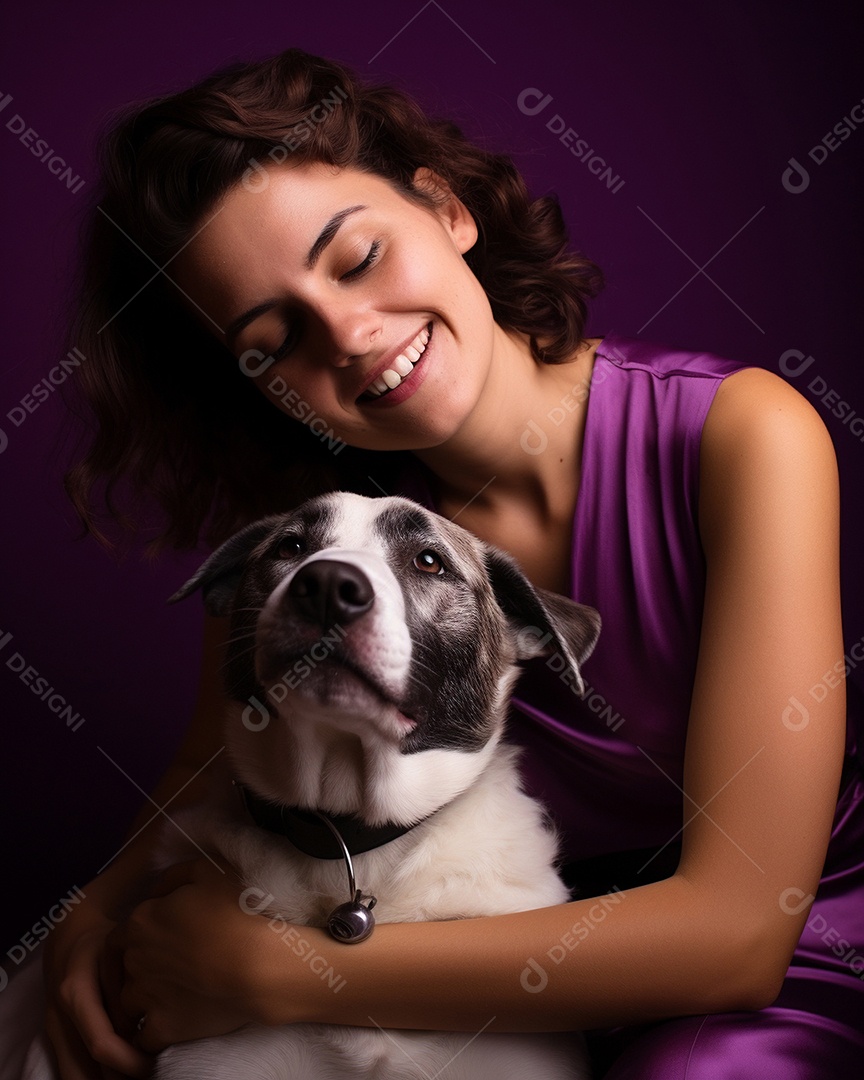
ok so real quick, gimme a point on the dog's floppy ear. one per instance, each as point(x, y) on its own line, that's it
point(546, 622)
point(219, 576)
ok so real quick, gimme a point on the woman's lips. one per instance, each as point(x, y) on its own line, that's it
point(409, 385)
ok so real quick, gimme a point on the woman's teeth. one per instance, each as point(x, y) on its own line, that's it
point(403, 365)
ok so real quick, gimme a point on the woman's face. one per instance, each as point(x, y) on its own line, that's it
point(329, 286)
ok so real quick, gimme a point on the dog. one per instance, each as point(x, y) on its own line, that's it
point(372, 652)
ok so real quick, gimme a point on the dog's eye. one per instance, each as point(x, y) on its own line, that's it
point(289, 547)
point(429, 562)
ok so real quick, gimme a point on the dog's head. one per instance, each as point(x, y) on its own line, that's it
point(382, 641)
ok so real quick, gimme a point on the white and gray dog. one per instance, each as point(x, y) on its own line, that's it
point(372, 653)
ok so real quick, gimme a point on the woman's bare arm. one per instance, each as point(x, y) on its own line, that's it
point(760, 796)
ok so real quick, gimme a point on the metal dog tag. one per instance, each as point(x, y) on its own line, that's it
point(353, 921)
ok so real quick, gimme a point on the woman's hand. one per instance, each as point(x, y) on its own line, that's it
point(77, 1021)
point(188, 958)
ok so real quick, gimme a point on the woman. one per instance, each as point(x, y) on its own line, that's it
point(311, 231)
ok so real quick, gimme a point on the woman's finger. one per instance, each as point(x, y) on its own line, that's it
point(86, 1016)
point(111, 978)
point(71, 1058)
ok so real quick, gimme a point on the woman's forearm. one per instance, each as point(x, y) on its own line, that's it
point(654, 952)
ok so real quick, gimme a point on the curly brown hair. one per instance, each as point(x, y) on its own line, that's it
point(164, 164)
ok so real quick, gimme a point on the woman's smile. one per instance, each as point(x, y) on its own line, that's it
point(394, 381)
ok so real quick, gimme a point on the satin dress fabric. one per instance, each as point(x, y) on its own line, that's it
point(609, 765)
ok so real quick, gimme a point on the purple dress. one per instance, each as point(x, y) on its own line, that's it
point(609, 766)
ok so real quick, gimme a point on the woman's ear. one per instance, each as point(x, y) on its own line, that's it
point(452, 211)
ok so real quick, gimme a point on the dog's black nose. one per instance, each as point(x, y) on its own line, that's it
point(328, 592)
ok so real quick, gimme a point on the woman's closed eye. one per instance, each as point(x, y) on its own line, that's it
point(371, 256)
point(287, 345)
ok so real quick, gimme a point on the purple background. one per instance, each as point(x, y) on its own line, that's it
point(697, 108)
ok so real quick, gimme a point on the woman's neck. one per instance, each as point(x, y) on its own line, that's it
point(523, 440)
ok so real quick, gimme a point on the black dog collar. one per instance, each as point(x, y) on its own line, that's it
point(310, 834)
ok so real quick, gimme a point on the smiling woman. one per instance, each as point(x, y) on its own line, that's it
point(384, 279)
point(405, 216)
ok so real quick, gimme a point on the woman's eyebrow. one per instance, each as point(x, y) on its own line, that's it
point(321, 242)
point(327, 234)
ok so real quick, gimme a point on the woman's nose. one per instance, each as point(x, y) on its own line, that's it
point(348, 333)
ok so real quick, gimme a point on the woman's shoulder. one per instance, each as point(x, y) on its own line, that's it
point(764, 448)
point(756, 411)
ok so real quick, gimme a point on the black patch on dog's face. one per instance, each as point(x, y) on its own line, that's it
point(456, 627)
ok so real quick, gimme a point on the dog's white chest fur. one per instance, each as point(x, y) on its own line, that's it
point(454, 865)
